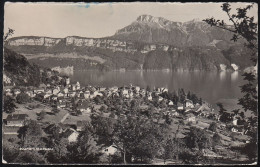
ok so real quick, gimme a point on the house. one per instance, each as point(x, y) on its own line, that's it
point(235, 121)
point(152, 47)
point(38, 90)
point(61, 104)
point(137, 88)
point(30, 93)
point(114, 89)
point(8, 93)
point(55, 91)
point(67, 81)
point(160, 98)
point(84, 110)
point(81, 125)
point(48, 91)
point(131, 94)
point(210, 154)
point(164, 90)
point(191, 117)
point(124, 92)
point(65, 90)
point(102, 89)
point(175, 113)
point(150, 98)
point(86, 94)
point(60, 94)
point(170, 103)
point(204, 107)
point(189, 103)
point(73, 87)
point(54, 97)
point(41, 96)
point(77, 86)
point(180, 106)
point(72, 94)
point(71, 135)
point(16, 119)
point(42, 85)
point(17, 91)
point(238, 129)
point(111, 150)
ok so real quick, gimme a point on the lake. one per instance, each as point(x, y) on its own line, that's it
point(210, 86)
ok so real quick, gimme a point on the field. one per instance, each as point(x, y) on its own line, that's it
point(22, 109)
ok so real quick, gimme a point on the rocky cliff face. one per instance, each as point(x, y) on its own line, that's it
point(148, 43)
point(159, 30)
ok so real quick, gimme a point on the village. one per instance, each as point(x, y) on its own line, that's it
point(71, 105)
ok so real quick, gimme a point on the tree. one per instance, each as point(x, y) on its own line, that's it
point(59, 152)
point(30, 156)
point(197, 138)
point(31, 134)
point(148, 89)
point(103, 129)
point(244, 27)
point(10, 151)
point(23, 98)
point(9, 104)
point(213, 127)
point(138, 138)
point(216, 139)
point(85, 150)
point(42, 115)
point(8, 34)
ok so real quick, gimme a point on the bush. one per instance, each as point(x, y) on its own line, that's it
point(213, 127)
point(189, 123)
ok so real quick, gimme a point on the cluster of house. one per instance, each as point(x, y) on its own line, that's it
point(61, 97)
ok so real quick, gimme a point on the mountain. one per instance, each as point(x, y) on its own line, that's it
point(18, 71)
point(149, 43)
point(147, 28)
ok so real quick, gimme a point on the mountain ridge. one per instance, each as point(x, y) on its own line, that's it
point(137, 45)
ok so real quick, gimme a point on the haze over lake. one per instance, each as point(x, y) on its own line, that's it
point(210, 86)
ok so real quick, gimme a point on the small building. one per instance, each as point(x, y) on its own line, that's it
point(170, 103)
point(60, 94)
point(30, 93)
point(16, 119)
point(160, 98)
point(41, 96)
point(204, 107)
point(38, 90)
point(61, 104)
point(81, 125)
point(111, 150)
point(86, 94)
point(71, 135)
point(55, 91)
point(17, 92)
point(189, 104)
point(180, 106)
point(137, 88)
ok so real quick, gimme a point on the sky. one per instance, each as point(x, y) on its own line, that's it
point(100, 19)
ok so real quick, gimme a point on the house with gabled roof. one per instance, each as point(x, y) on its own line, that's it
point(188, 103)
point(71, 135)
point(61, 104)
point(16, 92)
point(16, 119)
point(180, 106)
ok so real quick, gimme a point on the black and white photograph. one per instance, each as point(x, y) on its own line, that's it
point(127, 83)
